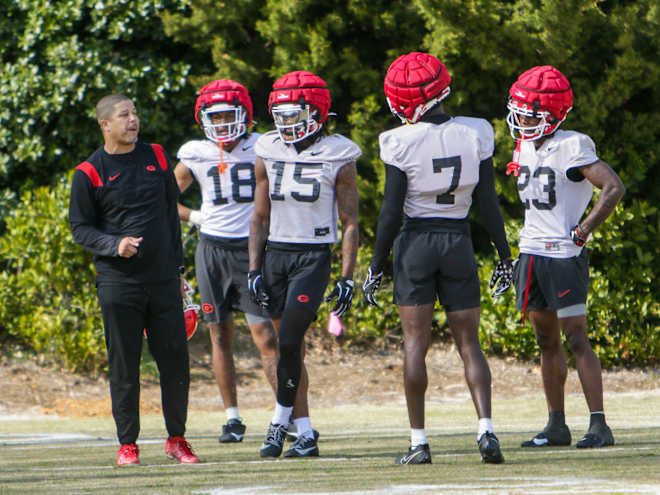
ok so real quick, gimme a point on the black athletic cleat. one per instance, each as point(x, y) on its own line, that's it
point(489, 448)
point(550, 437)
point(418, 455)
point(232, 432)
point(272, 446)
point(303, 447)
point(292, 433)
point(600, 436)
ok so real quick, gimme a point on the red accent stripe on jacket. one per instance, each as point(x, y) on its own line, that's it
point(160, 156)
point(91, 172)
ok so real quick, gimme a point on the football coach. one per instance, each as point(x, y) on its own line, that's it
point(123, 208)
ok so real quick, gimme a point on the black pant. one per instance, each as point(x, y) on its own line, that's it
point(128, 310)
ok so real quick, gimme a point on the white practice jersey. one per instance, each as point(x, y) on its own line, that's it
point(441, 163)
point(227, 186)
point(553, 203)
point(301, 186)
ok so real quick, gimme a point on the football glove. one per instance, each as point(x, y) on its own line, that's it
point(371, 285)
point(343, 291)
point(502, 277)
point(578, 238)
point(257, 288)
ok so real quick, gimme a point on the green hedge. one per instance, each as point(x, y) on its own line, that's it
point(47, 283)
point(50, 306)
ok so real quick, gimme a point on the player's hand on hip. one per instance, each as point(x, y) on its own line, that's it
point(578, 237)
point(371, 285)
point(129, 246)
point(343, 291)
point(502, 277)
point(257, 288)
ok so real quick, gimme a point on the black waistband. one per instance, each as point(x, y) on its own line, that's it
point(295, 246)
point(436, 224)
point(236, 243)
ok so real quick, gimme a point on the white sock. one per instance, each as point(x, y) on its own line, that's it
point(485, 424)
point(417, 437)
point(232, 413)
point(303, 427)
point(282, 414)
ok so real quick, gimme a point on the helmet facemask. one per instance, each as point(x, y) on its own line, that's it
point(546, 125)
point(295, 122)
point(223, 122)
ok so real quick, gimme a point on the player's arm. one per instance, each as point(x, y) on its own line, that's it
point(389, 218)
point(389, 223)
point(489, 207)
point(611, 191)
point(260, 222)
point(184, 179)
point(347, 207)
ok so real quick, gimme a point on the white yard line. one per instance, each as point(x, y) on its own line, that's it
point(550, 486)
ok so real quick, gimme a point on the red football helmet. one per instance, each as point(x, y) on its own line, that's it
point(541, 92)
point(414, 84)
point(189, 310)
point(299, 103)
point(224, 110)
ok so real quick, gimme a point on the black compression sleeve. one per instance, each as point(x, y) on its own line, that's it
point(389, 219)
point(490, 208)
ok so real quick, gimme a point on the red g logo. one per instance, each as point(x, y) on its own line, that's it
point(151, 168)
point(303, 298)
point(207, 308)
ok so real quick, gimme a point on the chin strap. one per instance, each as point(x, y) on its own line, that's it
point(513, 167)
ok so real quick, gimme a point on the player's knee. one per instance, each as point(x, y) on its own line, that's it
point(289, 353)
point(547, 343)
point(265, 340)
point(221, 341)
point(577, 342)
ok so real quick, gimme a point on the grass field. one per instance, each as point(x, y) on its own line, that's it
point(358, 446)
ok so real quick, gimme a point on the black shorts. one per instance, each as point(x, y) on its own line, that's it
point(436, 264)
point(555, 283)
point(296, 275)
point(221, 266)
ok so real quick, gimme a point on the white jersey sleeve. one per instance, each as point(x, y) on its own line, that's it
point(441, 163)
point(303, 206)
point(227, 183)
point(553, 203)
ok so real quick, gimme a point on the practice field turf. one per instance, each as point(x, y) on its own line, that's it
point(358, 446)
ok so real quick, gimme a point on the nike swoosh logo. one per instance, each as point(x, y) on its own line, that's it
point(314, 153)
point(237, 436)
point(407, 459)
point(562, 294)
point(540, 441)
point(245, 148)
point(113, 177)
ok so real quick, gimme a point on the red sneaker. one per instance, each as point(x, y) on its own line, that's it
point(128, 454)
point(177, 448)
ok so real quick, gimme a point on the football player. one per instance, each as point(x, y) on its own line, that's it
point(435, 164)
point(306, 179)
point(556, 172)
point(223, 165)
